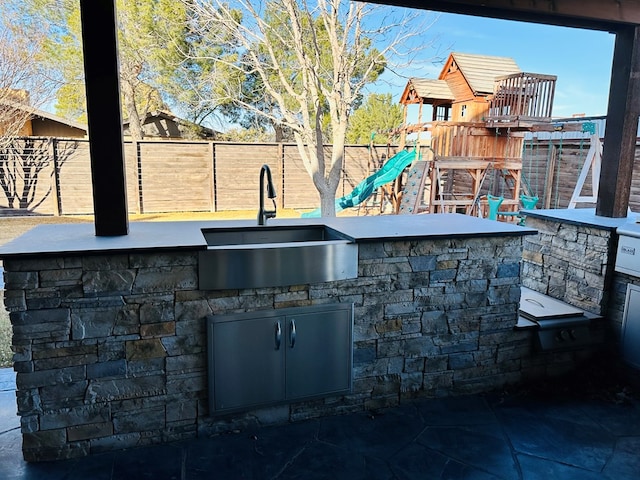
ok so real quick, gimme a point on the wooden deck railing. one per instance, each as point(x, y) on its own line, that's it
point(522, 97)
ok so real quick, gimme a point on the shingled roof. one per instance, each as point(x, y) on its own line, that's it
point(480, 71)
point(429, 89)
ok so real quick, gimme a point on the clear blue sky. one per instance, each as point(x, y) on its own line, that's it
point(581, 59)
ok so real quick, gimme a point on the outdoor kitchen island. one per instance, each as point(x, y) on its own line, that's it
point(112, 348)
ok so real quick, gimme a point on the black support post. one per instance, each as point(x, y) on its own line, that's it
point(100, 47)
point(622, 126)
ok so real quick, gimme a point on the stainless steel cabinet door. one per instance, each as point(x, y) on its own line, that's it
point(248, 362)
point(318, 352)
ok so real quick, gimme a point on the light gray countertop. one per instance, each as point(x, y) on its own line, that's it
point(630, 229)
point(80, 238)
point(581, 216)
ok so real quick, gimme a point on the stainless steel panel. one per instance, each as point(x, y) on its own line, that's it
point(628, 255)
point(274, 265)
point(271, 356)
point(631, 326)
point(319, 353)
point(220, 237)
point(536, 306)
point(245, 366)
point(560, 326)
point(565, 338)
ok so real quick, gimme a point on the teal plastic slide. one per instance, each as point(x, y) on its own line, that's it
point(389, 171)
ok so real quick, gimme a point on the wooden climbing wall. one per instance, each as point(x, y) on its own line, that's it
point(415, 190)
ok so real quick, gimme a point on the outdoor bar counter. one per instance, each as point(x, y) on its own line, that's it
point(79, 238)
point(117, 345)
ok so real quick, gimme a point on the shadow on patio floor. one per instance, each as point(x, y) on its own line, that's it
point(584, 426)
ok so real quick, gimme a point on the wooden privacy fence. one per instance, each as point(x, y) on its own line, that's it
point(174, 176)
point(550, 171)
point(211, 176)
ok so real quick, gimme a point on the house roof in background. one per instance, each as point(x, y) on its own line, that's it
point(36, 113)
point(41, 114)
point(155, 115)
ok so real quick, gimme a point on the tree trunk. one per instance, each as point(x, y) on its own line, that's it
point(332, 176)
point(135, 125)
point(327, 203)
point(279, 132)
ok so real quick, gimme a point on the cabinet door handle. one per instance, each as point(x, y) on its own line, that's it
point(292, 333)
point(278, 335)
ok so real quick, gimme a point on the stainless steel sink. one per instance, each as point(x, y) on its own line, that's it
point(271, 256)
point(270, 234)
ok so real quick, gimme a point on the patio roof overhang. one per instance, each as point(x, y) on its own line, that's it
point(605, 15)
point(621, 17)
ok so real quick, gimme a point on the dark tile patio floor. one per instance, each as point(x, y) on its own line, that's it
point(520, 435)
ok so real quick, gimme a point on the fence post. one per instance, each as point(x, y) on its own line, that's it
point(214, 192)
point(135, 146)
point(57, 207)
point(281, 199)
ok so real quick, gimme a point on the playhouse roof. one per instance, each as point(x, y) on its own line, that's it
point(480, 71)
point(421, 89)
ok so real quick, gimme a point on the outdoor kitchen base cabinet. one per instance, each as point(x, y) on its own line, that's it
point(272, 356)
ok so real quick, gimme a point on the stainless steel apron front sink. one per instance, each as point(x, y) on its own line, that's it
point(271, 256)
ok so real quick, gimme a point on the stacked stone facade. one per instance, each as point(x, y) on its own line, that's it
point(110, 350)
point(571, 262)
point(575, 262)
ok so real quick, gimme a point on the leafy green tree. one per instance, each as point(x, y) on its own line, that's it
point(378, 117)
point(253, 93)
point(61, 50)
point(198, 70)
point(246, 135)
point(154, 52)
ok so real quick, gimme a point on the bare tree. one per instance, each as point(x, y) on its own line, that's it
point(313, 60)
point(23, 86)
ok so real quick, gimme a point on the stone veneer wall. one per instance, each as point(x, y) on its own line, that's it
point(110, 350)
point(573, 263)
point(577, 263)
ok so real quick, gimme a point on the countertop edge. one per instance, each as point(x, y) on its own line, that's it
point(581, 217)
point(144, 237)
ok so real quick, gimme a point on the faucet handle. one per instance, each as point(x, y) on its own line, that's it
point(271, 213)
